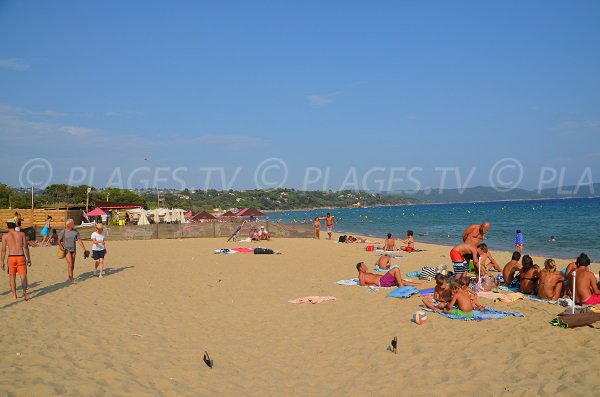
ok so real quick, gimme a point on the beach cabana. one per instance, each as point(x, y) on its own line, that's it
point(227, 214)
point(201, 216)
point(250, 212)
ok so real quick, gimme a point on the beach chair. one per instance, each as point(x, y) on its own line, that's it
point(234, 235)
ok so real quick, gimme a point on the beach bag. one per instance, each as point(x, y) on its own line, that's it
point(61, 253)
point(427, 273)
point(488, 283)
point(342, 239)
point(263, 251)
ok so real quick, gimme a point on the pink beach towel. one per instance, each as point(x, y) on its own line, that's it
point(312, 299)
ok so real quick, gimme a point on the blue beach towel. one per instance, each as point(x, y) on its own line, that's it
point(403, 292)
point(427, 291)
point(414, 274)
point(378, 269)
point(480, 315)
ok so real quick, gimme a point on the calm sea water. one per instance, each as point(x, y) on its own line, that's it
point(575, 223)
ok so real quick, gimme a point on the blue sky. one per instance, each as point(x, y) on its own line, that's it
point(350, 94)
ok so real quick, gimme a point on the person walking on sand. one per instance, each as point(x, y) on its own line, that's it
point(98, 250)
point(18, 258)
point(46, 232)
point(67, 240)
point(329, 223)
point(317, 226)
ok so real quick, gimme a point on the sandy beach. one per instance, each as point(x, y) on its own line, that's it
point(142, 330)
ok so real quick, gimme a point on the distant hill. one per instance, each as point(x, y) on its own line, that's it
point(486, 193)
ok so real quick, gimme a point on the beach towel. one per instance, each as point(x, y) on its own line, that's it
point(414, 274)
point(378, 269)
point(312, 299)
point(500, 297)
point(508, 288)
point(403, 292)
point(242, 250)
point(394, 256)
point(426, 291)
point(480, 315)
point(355, 282)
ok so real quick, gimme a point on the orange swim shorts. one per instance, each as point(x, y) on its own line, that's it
point(17, 264)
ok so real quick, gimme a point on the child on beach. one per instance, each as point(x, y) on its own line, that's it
point(410, 242)
point(464, 285)
point(317, 227)
point(519, 242)
point(441, 294)
point(462, 300)
point(550, 282)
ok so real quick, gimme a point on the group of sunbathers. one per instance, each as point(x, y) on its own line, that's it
point(409, 244)
point(551, 283)
point(453, 297)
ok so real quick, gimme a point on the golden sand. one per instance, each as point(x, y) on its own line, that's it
point(144, 327)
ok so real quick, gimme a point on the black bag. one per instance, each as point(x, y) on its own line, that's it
point(342, 239)
point(263, 251)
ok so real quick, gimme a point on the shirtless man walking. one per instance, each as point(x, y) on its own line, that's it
point(329, 223)
point(18, 258)
point(67, 241)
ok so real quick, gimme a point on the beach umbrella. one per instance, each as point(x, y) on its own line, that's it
point(96, 212)
point(156, 216)
point(189, 214)
point(143, 218)
point(168, 218)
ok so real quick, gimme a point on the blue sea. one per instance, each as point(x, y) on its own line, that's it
point(574, 222)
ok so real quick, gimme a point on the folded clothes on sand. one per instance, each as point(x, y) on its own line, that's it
point(478, 315)
point(312, 299)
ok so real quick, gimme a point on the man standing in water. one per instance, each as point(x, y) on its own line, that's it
point(329, 223)
point(67, 241)
point(18, 258)
point(473, 236)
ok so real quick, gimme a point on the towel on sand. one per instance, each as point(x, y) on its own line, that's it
point(312, 299)
point(480, 315)
point(427, 291)
point(500, 297)
point(378, 269)
point(355, 282)
point(393, 256)
point(243, 250)
point(403, 292)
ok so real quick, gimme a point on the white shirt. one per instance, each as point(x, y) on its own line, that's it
point(99, 246)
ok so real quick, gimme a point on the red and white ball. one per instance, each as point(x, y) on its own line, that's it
point(419, 317)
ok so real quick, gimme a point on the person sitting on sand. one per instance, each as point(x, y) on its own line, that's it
point(484, 256)
point(384, 262)
point(458, 260)
point(389, 244)
point(392, 278)
point(464, 285)
point(54, 238)
point(550, 282)
point(441, 294)
point(410, 242)
point(510, 269)
point(18, 258)
point(263, 234)
point(529, 276)
point(254, 234)
point(586, 287)
point(462, 300)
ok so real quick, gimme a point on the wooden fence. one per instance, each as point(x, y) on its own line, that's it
point(37, 217)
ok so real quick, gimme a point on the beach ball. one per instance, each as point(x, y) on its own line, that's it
point(420, 317)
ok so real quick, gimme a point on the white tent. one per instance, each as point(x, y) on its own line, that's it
point(156, 216)
point(168, 217)
point(143, 218)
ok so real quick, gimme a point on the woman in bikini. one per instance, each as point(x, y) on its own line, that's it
point(550, 281)
point(317, 226)
point(529, 276)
